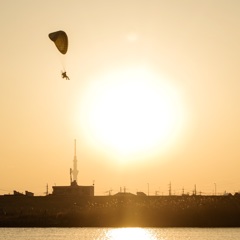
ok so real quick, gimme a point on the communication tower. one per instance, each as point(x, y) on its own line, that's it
point(74, 170)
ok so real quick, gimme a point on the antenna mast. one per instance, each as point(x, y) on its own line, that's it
point(46, 190)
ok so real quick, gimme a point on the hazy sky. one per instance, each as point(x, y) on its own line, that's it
point(153, 96)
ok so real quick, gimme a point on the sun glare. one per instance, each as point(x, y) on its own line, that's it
point(132, 112)
point(129, 233)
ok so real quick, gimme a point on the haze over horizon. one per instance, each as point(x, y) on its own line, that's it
point(153, 95)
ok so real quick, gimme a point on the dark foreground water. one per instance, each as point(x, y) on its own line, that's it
point(119, 233)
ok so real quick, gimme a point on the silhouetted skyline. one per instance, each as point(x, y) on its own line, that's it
point(153, 95)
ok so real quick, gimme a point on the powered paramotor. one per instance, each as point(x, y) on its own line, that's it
point(60, 40)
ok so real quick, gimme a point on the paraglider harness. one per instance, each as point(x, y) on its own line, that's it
point(64, 75)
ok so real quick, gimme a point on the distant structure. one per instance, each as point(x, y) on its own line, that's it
point(74, 189)
point(75, 171)
point(142, 194)
point(27, 193)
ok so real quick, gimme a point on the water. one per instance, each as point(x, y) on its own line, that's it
point(120, 233)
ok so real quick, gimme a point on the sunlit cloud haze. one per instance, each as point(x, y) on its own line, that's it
point(153, 95)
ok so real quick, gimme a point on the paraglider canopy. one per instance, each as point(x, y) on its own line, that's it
point(60, 39)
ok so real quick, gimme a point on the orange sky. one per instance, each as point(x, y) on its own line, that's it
point(153, 96)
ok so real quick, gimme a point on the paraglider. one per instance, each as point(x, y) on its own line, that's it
point(60, 40)
point(64, 75)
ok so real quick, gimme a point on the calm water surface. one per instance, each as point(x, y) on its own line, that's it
point(119, 233)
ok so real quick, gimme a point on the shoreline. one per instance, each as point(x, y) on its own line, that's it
point(120, 211)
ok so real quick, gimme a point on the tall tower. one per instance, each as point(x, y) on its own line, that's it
point(75, 171)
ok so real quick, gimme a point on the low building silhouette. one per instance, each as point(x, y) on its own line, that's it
point(73, 189)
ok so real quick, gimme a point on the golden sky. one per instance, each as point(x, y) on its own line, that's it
point(153, 96)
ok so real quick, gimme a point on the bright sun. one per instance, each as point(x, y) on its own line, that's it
point(132, 113)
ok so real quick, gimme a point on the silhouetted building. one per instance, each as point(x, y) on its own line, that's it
point(29, 194)
point(74, 189)
point(124, 194)
point(141, 194)
point(16, 193)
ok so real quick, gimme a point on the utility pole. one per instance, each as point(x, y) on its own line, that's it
point(170, 189)
point(195, 190)
point(46, 190)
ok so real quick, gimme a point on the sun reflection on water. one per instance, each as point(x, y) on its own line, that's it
point(130, 234)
